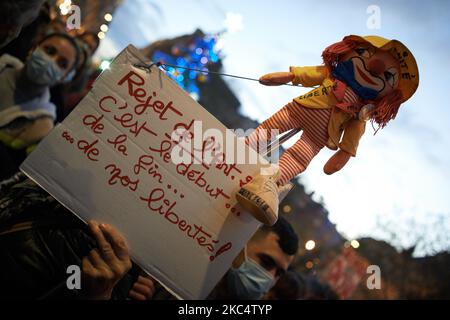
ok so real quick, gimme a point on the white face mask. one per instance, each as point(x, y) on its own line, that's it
point(249, 280)
point(42, 70)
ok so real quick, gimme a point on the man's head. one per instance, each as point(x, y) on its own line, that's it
point(274, 247)
point(266, 257)
point(54, 60)
point(14, 15)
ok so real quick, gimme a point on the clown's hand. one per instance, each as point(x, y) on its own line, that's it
point(276, 78)
point(336, 162)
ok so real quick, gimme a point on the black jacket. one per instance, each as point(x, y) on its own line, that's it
point(39, 239)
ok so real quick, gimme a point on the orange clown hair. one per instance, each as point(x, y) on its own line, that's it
point(386, 108)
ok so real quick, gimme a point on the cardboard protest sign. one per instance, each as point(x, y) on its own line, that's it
point(132, 154)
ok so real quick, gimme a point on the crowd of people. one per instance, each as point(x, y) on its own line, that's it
point(45, 70)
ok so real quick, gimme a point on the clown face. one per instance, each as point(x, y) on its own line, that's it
point(374, 69)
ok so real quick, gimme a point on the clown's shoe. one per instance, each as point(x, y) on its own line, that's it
point(261, 196)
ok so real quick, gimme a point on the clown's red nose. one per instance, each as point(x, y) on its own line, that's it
point(376, 66)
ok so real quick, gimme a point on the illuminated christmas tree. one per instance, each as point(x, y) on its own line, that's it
point(197, 52)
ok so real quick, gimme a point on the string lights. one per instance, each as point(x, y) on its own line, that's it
point(196, 55)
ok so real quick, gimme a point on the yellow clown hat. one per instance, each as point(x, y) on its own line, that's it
point(409, 72)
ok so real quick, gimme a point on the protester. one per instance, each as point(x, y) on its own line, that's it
point(40, 239)
point(62, 94)
point(14, 15)
point(26, 113)
point(67, 96)
point(266, 257)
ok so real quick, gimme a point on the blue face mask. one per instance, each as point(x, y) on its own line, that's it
point(42, 70)
point(345, 72)
point(250, 280)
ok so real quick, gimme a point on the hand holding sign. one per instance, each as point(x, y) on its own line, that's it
point(105, 266)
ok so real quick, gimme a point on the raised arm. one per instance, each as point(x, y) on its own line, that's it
point(309, 76)
point(306, 76)
point(276, 78)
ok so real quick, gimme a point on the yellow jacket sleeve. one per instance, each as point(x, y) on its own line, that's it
point(309, 76)
point(352, 134)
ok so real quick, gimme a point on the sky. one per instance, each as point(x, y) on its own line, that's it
point(400, 176)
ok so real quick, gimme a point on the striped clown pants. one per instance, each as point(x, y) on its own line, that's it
point(314, 126)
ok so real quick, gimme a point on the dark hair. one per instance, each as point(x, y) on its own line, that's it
point(72, 42)
point(288, 241)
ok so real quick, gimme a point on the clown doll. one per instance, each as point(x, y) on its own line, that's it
point(363, 78)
